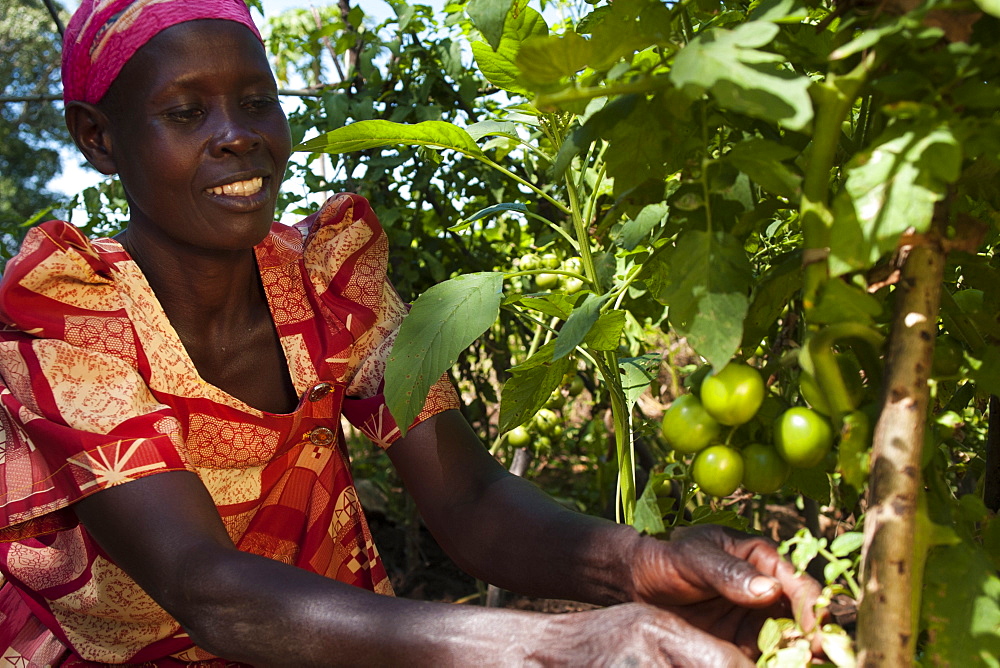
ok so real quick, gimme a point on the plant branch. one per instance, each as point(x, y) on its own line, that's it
point(888, 615)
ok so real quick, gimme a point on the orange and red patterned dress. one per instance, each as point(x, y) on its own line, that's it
point(98, 390)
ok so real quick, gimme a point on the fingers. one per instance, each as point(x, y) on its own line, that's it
point(731, 565)
point(801, 590)
point(638, 634)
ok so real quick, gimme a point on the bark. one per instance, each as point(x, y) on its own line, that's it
point(887, 620)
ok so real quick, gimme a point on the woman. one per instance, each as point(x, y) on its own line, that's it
point(174, 486)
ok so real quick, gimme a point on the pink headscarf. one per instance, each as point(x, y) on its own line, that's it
point(104, 34)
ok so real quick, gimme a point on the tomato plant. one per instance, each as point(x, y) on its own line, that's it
point(793, 173)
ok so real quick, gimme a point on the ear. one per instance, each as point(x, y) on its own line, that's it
point(90, 128)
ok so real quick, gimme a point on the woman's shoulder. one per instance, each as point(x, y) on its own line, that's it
point(339, 214)
point(60, 266)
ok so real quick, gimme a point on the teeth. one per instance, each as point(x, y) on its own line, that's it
point(240, 188)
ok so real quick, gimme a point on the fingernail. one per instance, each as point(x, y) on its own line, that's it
point(762, 586)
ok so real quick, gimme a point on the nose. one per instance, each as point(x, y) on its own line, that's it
point(234, 134)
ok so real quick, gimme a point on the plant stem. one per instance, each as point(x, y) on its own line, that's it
point(833, 99)
point(888, 614)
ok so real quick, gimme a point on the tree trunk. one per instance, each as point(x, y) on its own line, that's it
point(887, 619)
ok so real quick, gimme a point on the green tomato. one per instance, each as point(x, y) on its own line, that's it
point(576, 385)
point(556, 400)
point(733, 395)
point(530, 261)
point(547, 421)
point(718, 470)
point(803, 437)
point(687, 427)
point(547, 281)
point(519, 437)
point(550, 260)
point(764, 471)
point(573, 285)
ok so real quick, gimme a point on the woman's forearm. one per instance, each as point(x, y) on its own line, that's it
point(248, 608)
point(519, 538)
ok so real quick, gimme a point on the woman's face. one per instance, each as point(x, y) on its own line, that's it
point(199, 139)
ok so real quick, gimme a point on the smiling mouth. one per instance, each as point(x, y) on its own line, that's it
point(239, 188)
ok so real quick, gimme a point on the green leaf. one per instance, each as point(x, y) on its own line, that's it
point(637, 373)
point(376, 133)
point(814, 483)
point(704, 280)
point(578, 325)
point(648, 519)
point(530, 386)
point(633, 232)
point(770, 297)
point(846, 543)
point(548, 59)
point(764, 162)
point(728, 64)
point(772, 632)
point(842, 302)
point(895, 185)
point(488, 16)
point(554, 305)
point(961, 608)
point(498, 64)
point(986, 372)
point(441, 324)
point(493, 128)
point(606, 333)
point(838, 646)
point(489, 211)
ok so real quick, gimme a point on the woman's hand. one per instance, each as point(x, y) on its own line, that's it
point(631, 634)
point(722, 581)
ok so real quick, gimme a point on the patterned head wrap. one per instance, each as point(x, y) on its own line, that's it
point(104, 34)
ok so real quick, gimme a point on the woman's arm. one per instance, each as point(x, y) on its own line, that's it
point(504, 530)
point(164, 531)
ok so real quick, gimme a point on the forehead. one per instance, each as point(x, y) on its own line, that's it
point(194, 51)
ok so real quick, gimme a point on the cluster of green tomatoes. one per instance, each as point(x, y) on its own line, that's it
point(695, 423)
point(547, 282)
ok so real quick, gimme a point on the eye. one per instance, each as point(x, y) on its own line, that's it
point(261, 102)
point(184, 114)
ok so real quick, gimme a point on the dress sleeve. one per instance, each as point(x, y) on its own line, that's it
point(346, 256)
point(75, 412)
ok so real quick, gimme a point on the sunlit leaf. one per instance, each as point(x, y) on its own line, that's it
point(961, 608)
point(376, 133)
point(578, 325)
point(895, 185)
point(498, 64)
point(549, 59)
point(442, 323)
point(489, 16)
point(729, 65)
point(704, 280)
